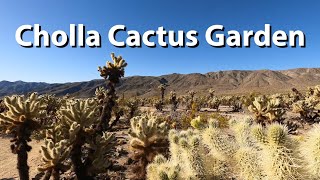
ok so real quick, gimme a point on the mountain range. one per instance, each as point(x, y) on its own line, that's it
point(223, 82)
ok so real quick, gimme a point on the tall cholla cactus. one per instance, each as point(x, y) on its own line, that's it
point(310, 149)
point(148, 138)
point(54, 152)
point(280, 157)
point(79, 118)
point(112, 72)
point(21, 120)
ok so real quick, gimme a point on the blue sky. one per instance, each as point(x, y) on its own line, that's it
point(80, 64)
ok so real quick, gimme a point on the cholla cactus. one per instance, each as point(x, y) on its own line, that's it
point(21, 120)
point(211, 93)
point(100, 94)
point(267, 109)
point(148, 138)
point(310, 149)
point(219, 143)
point(113, 71)
point(198, 123)
point(162, 169)
point(191, 94)
point(173, 100)
point(280, 156)
point(162, 88)
point(132, 107)
point(214, 103)
point(260, 108)
point(248, 163)
point(276, 110)
point(188, 160)
point(2, 106)
point(82, 112)
point(306, 109)
point(79, 118)
point(158, 104)
point(100, 147)
point(54, 152)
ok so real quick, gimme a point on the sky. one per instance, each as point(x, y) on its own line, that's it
point(56, 65)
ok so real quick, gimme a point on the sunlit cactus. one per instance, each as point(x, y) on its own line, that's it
point(310, 149)
point(148, 138)
point(54, 152)
point(83, 112)
point(162, 169)
point(280, 156)
point(218, 142)
point(260, 108)
point(100, 147)
point(79, 117)
point(306, 109)
point(113, 71)
point(248, 163)
point(276, 110)
point(21, 120)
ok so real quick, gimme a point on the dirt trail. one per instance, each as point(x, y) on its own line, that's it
point(8, 161)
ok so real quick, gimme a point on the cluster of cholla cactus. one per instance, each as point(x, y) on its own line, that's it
point(308, 106)
point(148, 137)
point(76, 135)
point(244, 151)
point(267, 110)
point(21, 119)
point(55, 151)
point(188, 100)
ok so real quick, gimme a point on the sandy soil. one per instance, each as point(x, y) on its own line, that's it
point(8, 161)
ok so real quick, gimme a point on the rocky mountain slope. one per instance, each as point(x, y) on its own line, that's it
point(224, 82)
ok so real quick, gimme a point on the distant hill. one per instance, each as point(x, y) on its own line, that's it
point(224, 82)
